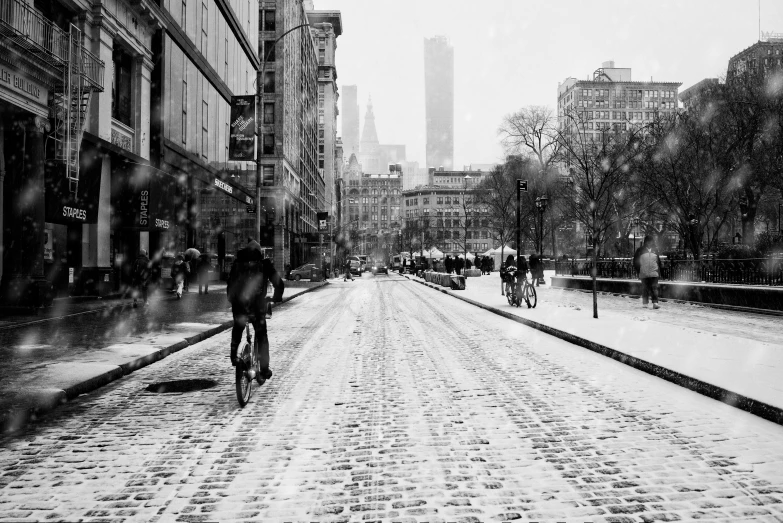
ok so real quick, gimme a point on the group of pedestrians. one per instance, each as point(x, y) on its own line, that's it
point(486, 264)
point(182, 271)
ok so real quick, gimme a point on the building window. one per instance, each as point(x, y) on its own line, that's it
point(269, 144)
point(185, 101)
point(269, 82)
point(121, 87)
point(269, 51)
point(269, 20)
point(204, 22)
point(269, 113)
point(321, 56)
point(204, 129)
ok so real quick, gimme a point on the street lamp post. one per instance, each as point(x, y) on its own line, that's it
point(541, 203)
point(465, 205)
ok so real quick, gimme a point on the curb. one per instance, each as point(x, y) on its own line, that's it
point(46, 400)
point(757, 408)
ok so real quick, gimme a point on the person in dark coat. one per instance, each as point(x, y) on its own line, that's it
point(141, 276)
point(203, 266)
point(404, 265)
point(449, 264)
point(178, 274)
point(347, 267)
point(535, 262)
point(459, 264)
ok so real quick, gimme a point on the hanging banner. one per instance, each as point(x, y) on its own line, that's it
point(323, 221)
point(66, 207)
point(242, 137)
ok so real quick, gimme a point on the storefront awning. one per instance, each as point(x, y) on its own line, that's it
point(66, 207)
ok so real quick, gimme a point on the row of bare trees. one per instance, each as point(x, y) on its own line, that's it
point(691, 172)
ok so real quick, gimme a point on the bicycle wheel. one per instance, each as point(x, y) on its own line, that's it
point(257, 365)
point(510, 294)
point(530, 296)
point(243, 382)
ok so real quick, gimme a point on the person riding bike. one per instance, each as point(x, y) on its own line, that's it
point(247, 287)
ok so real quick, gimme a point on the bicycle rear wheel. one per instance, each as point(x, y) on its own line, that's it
point(244, 384)
point(530, 296)
point(510, 294)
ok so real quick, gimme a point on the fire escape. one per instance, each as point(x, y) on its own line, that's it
point(74, 74)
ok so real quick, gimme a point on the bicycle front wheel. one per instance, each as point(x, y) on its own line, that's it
point(243, 382)
point(510, 294)
point(530, 296)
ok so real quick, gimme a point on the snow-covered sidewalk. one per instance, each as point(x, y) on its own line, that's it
point(728, 353)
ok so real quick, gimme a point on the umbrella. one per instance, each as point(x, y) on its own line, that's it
point(192, 253)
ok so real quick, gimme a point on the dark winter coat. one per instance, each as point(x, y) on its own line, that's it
point(141, 271)
point(449, 264)
point(249, 277)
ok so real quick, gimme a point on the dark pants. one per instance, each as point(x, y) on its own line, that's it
point(258, 318)
point(140, 289)
point(203, 279)
point(649, 288)
point(348, 275)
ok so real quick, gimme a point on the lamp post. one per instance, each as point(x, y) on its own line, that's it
point(260, 96)
point(635, 232)
point(465, 206)
point(541, 203)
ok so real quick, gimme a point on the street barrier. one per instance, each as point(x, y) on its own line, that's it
point(452, 281)
point(472, 273)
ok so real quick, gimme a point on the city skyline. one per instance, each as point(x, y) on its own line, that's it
point(512, 54)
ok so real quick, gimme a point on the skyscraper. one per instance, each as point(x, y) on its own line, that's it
point(369, 155)
point(439, 101)
point(350, 115)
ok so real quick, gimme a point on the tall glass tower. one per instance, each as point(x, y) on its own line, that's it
point(439, 101)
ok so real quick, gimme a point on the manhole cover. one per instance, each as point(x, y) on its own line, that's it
point(181, 386)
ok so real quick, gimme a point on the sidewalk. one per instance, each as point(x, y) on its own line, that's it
point(735, 357)
point(49, 362)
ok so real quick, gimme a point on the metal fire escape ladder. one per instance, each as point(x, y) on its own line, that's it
point(70, 102)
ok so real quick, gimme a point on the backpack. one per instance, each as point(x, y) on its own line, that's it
point(246, 280)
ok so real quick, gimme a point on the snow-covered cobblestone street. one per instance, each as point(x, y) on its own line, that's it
point(393, 402)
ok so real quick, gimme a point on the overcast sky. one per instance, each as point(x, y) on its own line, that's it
point(512, 53)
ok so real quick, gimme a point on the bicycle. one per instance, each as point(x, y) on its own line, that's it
point(248, 367)
point(521, 290)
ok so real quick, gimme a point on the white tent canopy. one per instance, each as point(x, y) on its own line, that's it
point(434, 253)
point(496, 255)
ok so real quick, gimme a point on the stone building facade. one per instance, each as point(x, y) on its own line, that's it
point(288, 155)
point(74, 114)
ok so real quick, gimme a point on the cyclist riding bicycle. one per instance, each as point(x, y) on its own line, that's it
point(247, 287)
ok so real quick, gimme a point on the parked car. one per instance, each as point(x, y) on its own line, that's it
point(380, 268)
point(304, 271)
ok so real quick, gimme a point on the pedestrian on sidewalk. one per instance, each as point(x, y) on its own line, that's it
point(449, 263)
point(459, 264)
point(203, 267)
point(648, 265)
point(141, 277)
point(347, 267)
point(178, 274)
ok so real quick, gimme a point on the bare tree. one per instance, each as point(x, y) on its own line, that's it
point(599, 163)
point(531, 131)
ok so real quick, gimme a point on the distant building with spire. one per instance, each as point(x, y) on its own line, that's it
point(369, 151)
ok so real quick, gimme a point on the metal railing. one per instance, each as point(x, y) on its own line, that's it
point(33, 31)
point(92, 69)
point(753, 271)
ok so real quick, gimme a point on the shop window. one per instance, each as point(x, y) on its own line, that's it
point(121, 86)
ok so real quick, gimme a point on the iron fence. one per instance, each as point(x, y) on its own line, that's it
point(753, 271)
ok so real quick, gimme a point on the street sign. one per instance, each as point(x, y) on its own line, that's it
point(522, 185)
point(251, 209)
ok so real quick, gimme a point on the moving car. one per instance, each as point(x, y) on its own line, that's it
point(380, 267)
point(305, 271)
point(356, 265)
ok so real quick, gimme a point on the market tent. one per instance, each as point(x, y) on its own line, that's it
point(496, 255)
point(434, 253)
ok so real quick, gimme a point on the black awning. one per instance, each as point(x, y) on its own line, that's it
point(66, 207)
point(144, 198)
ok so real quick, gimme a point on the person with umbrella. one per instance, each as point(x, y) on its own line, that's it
point(191, 255)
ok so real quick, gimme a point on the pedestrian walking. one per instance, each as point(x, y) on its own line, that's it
point(404, 264)
point(141, 277)
point(648, 265)
point(535, 266)
point(459, 264)
point(203, 272)
point(449, 263)
point(348, 270)
point(178, 274)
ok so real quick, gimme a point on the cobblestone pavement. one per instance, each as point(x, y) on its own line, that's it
point(393, 402)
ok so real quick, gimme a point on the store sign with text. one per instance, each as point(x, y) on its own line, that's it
point(242, 131)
